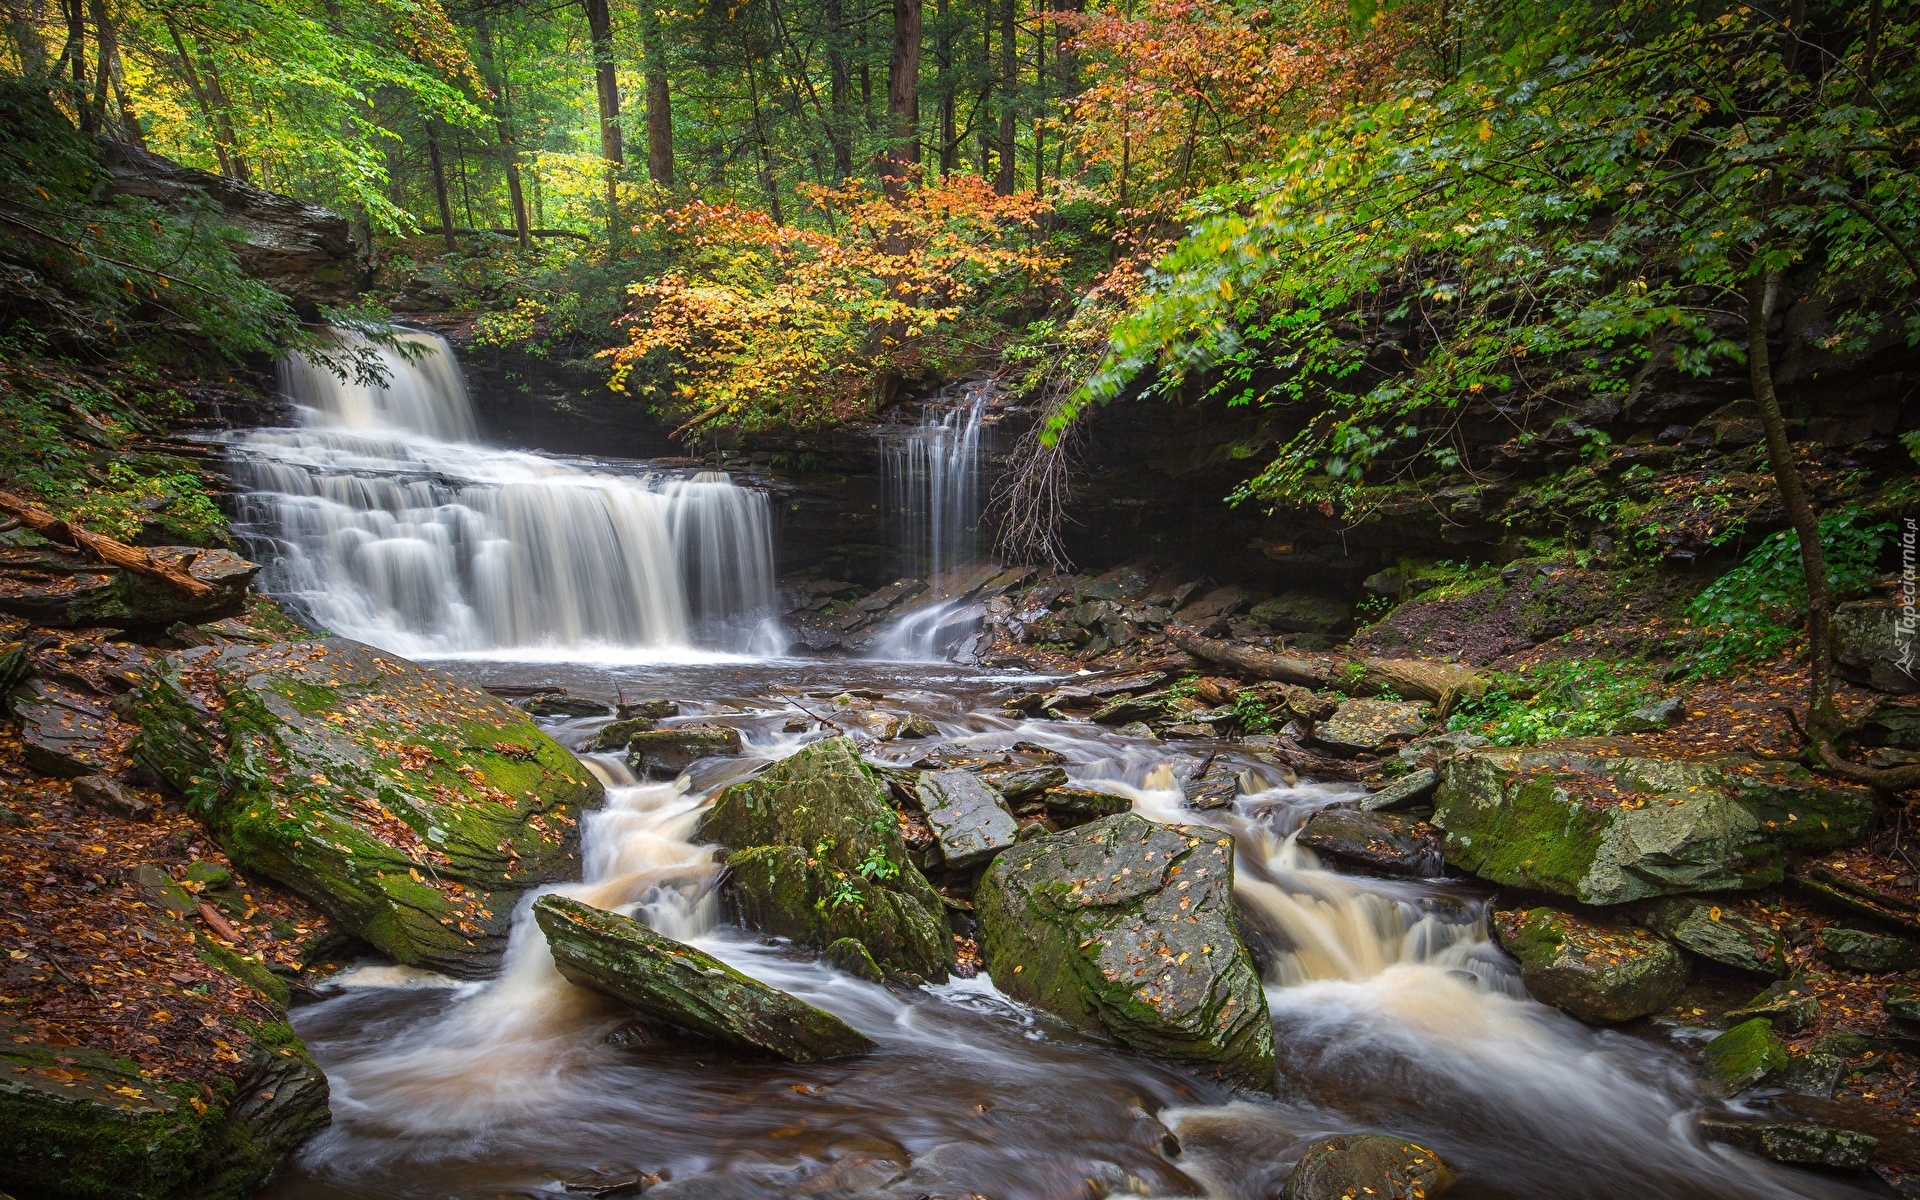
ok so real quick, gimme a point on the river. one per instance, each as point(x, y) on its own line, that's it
point(385, 518)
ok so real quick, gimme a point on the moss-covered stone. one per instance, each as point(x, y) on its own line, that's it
point(1370, 1165)
point(1600, 974)
point(1719, 934)
point(1745, 1055)
point(818, 857)
point(405, 804)
point(1801, 1143)
point(1586, 821)
point(673, 982)
point(617, 735)
point(1788, 1004)
point(666, 752)
point(1864, 950)
point(1125, 926)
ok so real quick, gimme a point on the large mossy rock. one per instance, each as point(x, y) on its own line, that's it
point(76, 1124)
point(1367, 1165)
point(1720, 934)
point(620, 957)
point(53, 585)
point(817, 857)
point(411, 808)
point(1600, 974)
point(1125, 926)
point(1584, 820)
point(1744, 1056)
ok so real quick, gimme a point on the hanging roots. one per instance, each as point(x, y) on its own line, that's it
point(1029, 502)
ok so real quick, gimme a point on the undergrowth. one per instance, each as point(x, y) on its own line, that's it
point(1579, 698)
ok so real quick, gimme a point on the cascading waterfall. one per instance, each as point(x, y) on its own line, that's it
point(932, 474)
point(391, 525)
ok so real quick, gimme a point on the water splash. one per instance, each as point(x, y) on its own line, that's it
point(385, 520)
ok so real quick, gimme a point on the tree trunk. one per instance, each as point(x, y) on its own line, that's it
point(840, 88)
point(76, 54)
point(659, 106)
point(903, 95)
point(606, 81)
point(440, 185)
point(503, 124)
point(205, 103)
point(1009, 171)
point(27, 43)
point(1823, 721)
point(949, 93)
point(1040, 105)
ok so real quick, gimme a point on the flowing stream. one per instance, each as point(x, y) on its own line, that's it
point(1393, 1011)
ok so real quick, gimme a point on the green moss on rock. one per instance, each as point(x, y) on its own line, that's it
point(1600, 974)
point(410, 807)
point(1745, 1055)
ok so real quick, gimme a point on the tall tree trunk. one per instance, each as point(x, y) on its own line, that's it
point(1009, 91)
point(76, 55)
point(903, 95)
point(221, 150)
point(767, 181)
point(839, 89)
point(659, 105)
point(439, 168)
point(104, 44)
point(1040, 104)
point(503, 124)
point(1823, 720)
point(949, 93)
point(606, 80)
point(27, 43)
point(223, 112)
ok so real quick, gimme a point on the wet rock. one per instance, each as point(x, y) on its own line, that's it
point(109, 796)
point(1649, 718)
point(969, 819)
point(894, 593)
point(1384, 842)
point(1213, 791)
point(656, 710)
point(882, 726)
point(673, 982)
point(68, 733)
point(1126, 926)
point(1368, 726)
point(1745, 1055)
point(1214, 605)
point(849, 955)
point(1801, 1143)
point(617, 735)
point(1409, 791)
point(1867, 646)
point(1139, 729)
point(1787, 1004)
point(913, 726)
point(1188, 731)
point(667, 752)
point(1370, 1165)
point(52, 585)
point(1863, 950)
point(1125, 711)
point(1720, 935)
point(1607, 828)
point(818, 856)
point(1084, 802)
point(1815, 1074)
point(408, 806)
point(555, 704)
point(1302, 612)
point(1599, 974)
point(1894, 724)
point(1025, 782)
point(1903, 1001)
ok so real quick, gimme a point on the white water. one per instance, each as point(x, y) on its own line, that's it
point(932, 475)
point(390, 524)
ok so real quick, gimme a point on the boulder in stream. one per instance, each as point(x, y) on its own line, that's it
point(968, 818)
point(671, 751)
point(817, 856)
point(1370, 1165)
point(1585, 820)
point(1745, 1055)
point(1125, 926)
point(408, 806)
point(1600, 974)
point(670, 981)
point(1380, 841)
point(1720, 934)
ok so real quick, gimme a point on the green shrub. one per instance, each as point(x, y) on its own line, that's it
point(1584, 698)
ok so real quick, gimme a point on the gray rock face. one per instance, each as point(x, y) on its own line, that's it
point(67, 733)
point(1720, 935)
point(1661, 714)
point(1370, 1165)
point(1408, 791)
point(668, 752)
point(1863, 950)
point(1018, 785)
point(1599, 974)
point(107, 795)
point(969, 819)
point(1084, 802)
point(1385, 842)
point(1125, 926)
point(1787, 1004)
point(53, 585)
point(673, 982)
point(1797, 1142)
point(1873, 645)
point(1366, 726)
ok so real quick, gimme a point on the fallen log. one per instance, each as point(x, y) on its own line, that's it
point(119, 554)
point(1257, 663)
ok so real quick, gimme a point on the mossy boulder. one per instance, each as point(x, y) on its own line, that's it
point(670, 981)
point(670, 751)
point(817, 856)
point(616, 735)
point(1600, 974)
point(1788, 1004)
point(410, 807)
point(1801, 1143)
point(1370, 1165)
point(1125, 926)
point(1368, 726)
point(1865, 950)
point(1744, 1056)
point(1585, 820)
point(1719, 934)
point(76, 1124)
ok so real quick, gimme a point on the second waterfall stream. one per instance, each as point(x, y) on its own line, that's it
point(390, 522)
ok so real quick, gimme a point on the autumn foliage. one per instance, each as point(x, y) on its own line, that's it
point(760, 322)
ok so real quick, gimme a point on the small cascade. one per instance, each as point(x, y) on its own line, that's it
point(932, 474)
point(381, 516)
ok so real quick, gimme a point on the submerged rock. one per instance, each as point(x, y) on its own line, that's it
point(1383, 841)
point(1720, 935)
point(1370, 1165)
point(408, 806)
point(673, 982)
point(1125, 926)
point(1599, 974)
point(818, 856)
point(671, 751)
point(1603, 827)
point(969, 819)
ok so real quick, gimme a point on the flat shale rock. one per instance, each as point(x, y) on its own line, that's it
point(969, 819)
point(52, 585)
point(1372, 1166)
point(1368, 726)
point(1382, 841)
point(671, 751)
point(673, 982)
point(1125, 926)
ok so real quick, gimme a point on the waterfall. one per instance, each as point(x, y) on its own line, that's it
point(932, 475)
point(383, 517)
